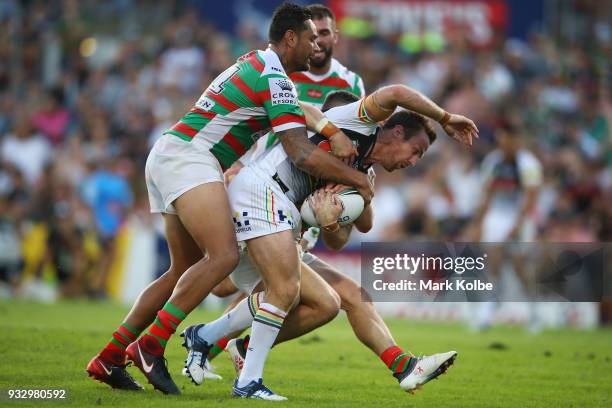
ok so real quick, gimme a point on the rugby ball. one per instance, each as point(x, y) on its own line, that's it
point(352, 207)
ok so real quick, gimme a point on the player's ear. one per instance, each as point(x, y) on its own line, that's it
point(291, 38)
point(398, 131)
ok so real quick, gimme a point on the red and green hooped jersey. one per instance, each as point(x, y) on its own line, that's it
point(245, 101)
point(314, 88)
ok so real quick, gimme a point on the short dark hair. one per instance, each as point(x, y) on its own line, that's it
point(320, 11)
point(338, 98)
point(511, 128)
point(412, 123)
point(287, 16)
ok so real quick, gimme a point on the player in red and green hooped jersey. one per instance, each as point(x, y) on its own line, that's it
point(185, 183)
point(326, 74)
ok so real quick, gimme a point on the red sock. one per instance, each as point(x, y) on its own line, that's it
point(156, 337)
point(114, 352)
point(395, 358)
point(217, 348)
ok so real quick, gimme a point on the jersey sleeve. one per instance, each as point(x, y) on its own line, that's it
point(358, 88)
point(353, 117)
point(279, 97)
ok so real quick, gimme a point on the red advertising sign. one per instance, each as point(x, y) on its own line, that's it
point(480, 17)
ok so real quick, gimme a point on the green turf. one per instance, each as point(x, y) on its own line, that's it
point(48, 346)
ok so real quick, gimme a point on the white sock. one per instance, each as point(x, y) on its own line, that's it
point(239, 318)
point(266, 325)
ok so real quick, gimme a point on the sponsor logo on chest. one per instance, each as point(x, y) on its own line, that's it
point(282, 92)
point(314, 93)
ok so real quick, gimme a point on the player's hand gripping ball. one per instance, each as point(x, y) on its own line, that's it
point(352, 207)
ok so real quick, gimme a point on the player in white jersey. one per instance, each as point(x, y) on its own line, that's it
point(512, 177)
point(265, 193)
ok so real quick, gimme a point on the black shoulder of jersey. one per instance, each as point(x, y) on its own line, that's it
point(364, 144)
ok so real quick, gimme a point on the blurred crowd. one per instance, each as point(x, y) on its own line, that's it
point(86, 87)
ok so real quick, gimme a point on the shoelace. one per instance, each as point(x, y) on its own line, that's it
point(263, 389)
point(197, 358)
point(197, 343)
point(127, 378)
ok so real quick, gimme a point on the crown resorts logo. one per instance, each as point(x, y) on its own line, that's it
point(285, 85)
point(282, 92)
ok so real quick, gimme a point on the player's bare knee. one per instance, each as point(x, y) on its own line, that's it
point(285, 293)
point(232, 258)
point(225, 260)
point(296, 298)
point(293, 294)
point(350, 294)
point(329, 305)
point(173, 274)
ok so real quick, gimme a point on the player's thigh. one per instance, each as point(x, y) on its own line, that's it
point(276, 258)
point(205, 212)
point(315, 291)
point(184, 251)
point(350, 292)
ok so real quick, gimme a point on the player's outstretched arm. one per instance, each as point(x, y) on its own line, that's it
point(317, 162)
point(341, 145)
point(382, 103)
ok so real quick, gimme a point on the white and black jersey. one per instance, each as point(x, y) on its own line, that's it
point(352, 119)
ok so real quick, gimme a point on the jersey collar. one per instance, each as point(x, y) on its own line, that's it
point(370, 148)
point(275, 56)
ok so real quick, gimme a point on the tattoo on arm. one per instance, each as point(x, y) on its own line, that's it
point(296, 145)
point(309, 158)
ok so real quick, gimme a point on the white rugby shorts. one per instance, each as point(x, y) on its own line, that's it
point(174, 167)
point(259, 206)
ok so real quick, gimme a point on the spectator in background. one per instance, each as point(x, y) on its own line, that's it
point(494, 79)
point(182, 64)
point(109, 197)
point(53, 119)
point(11, 261)
point(65, 248)
point(26, 149)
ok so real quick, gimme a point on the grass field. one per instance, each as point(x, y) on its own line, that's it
point(48, 346)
